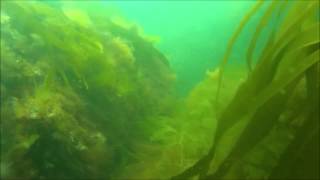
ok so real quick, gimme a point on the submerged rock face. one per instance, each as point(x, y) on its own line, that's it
point(76, 96)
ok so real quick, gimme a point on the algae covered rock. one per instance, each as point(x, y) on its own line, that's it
point(75, 95)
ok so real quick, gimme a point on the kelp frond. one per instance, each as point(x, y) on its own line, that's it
point(233, 39)
point(262, 24)
point(291, 50)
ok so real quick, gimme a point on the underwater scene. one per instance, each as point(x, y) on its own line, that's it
point(160, 90)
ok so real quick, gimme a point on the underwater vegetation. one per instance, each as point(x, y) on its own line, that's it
point(89, 97)
point(270, 128)
point(71, 95)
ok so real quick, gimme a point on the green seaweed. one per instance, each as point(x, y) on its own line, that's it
point(78, 90)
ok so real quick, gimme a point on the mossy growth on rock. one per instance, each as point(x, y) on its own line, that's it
point(75, 96)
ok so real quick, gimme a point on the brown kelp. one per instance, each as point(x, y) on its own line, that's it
point(285, 78)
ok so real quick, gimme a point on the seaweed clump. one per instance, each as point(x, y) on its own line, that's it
point(75, 98)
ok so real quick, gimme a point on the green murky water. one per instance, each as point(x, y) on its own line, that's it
point(159, 90)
